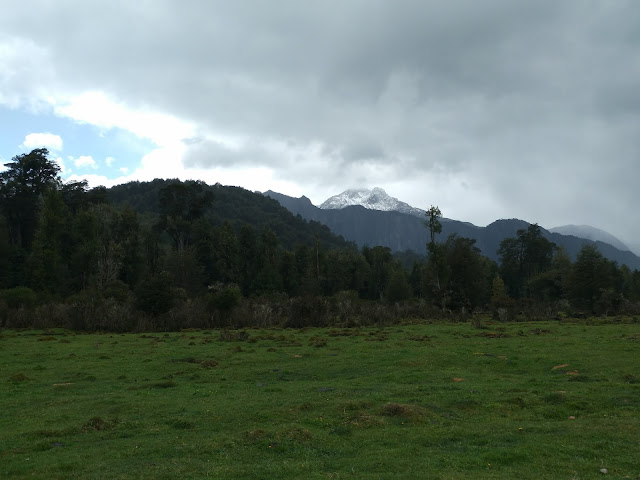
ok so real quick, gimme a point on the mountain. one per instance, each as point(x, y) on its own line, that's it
point(590, 233)
point(236, 206)
point(376, 199)
point(298, 206)
point(401, 231)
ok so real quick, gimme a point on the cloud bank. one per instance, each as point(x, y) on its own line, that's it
point(492, 109)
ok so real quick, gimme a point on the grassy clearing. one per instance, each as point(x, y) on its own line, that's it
point(523, 400)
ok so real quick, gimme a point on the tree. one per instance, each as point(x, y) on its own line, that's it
point(436, 264)
point(248, 254)
point(46, 264)
point(467, 276)
point(268, 279)
point(181, 204)
point(588, 277)
point(5, 254)
point(22, 187)
point(433, 222)
point(379, 259)
point(398, 287)
point(155, 295)
point(524, 257)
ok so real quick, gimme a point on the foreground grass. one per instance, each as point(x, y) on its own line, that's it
point(523, 400)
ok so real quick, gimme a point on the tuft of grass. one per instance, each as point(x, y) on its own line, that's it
point(96, 423)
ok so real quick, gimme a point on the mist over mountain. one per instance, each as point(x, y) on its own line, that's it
point(590, 233)
point(402, 231)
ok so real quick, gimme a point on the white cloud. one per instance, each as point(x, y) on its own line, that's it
point(124, 170)
point(109, 161)
point(39, 140)
point(26, 74)
point(98, 180)
point(97, 108)
point(84, 161)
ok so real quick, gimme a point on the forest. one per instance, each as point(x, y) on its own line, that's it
point(170, 255)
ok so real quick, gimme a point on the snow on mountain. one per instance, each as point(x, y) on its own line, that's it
point(590, 233)
point(376, 199)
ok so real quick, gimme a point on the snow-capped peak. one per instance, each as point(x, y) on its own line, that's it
point(376, 199)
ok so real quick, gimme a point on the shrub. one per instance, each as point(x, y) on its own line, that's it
point(19, 297)
point(4, 312)
point(308, 311)
point(155, 295)
point(225, 298)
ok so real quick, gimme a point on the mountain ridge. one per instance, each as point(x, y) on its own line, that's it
point(400, 231)
point(590, 233)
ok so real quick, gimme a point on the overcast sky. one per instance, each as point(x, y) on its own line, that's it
point(489, 109)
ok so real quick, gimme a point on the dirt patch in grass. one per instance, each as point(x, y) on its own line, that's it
point(18, 377)
point(554, 398)
point(540, 331)
point(361, 419)
point(165, 384)
point(378, 336)
point(98, 424)
point(317, 342)
point(205, 363)
point(257, 435)
point(345, 332)
point(182, 425)
point(234, 336)
point(293, 434)
point(419, 338)
point(296, 434)
point(393, 409)
point(494, 335)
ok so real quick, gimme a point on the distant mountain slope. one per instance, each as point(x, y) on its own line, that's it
point(400, 231)
point(590, 233)
point(237, 206)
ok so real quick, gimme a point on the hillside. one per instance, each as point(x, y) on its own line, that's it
point(236, 206)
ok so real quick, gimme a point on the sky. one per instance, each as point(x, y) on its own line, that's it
point(489, 110)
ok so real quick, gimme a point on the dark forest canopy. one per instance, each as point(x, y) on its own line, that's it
point(178, 254)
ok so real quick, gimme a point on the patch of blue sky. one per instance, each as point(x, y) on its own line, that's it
point(124, 149)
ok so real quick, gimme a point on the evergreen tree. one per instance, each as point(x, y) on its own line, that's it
point(588, 277)
point(22, 188)
point(46, 265)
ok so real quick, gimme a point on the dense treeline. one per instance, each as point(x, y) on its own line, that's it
point(168, 254)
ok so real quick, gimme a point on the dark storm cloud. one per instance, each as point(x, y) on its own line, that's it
point(530, 108)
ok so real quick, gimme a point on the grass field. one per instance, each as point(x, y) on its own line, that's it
point(523, 400)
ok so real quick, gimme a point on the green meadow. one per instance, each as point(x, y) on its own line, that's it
point(531, 400)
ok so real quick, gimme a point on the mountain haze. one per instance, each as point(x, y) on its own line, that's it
point(590, 233)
